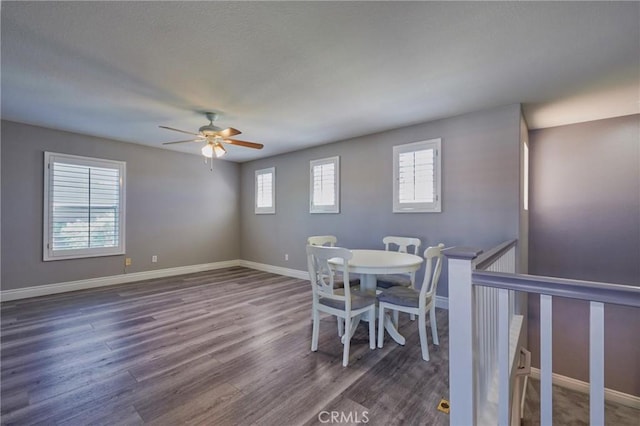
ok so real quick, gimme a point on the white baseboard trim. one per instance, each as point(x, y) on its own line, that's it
point(583, 387)
point(63, 287)
point(44, 290)
point(442, 302)
point(295, 273)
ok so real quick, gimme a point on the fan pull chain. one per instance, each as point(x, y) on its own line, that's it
point(206, 161)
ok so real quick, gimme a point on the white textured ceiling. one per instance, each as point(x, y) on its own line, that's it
point(296, 74)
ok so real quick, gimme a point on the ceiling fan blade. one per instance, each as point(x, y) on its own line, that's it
point(243, 143)
point(228, 132)
point(190, 140)
point(178, 130)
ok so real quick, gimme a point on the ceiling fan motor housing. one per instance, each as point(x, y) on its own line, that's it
point(209, 130)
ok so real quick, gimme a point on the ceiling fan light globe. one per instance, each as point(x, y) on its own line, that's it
point(207, 151)
point(219, 150)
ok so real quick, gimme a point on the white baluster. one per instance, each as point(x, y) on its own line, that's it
point(596, 363)
point(546, 366)
point(503, 358)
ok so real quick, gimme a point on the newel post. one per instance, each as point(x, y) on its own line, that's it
point(461, 335)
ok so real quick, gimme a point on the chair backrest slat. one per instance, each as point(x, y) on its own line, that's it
point(403, 244)
point(321, 274)
point(322, 240)
point(431, 272)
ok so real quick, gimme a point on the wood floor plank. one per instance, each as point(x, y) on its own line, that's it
point(200, 409)
point(36, 362)
point(111, 413)
point(81, 399)
point(159, 395)
point(12, 401)
point(40, 332)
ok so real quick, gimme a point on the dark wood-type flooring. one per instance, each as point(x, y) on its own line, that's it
point(223, 347)
point(572, 408)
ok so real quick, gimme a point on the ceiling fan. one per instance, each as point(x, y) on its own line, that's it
point(214, 137)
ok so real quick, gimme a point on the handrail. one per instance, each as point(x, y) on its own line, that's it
point(484, 260)
point(618, 294)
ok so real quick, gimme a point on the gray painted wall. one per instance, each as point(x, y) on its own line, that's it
point(176, 208)
point(585, 224)
point(480, 174)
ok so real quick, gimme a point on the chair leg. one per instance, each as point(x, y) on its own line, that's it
point(434, 326)
point(354, 324)
point(316, 331)
point(347, 342)
point(372, 328)
point(380, 325)
point(412, 317)
point(422, 329)
point(396, 315)
point(340, 326)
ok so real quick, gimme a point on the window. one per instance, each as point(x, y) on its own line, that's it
point(325, 185)
point(416, 177)
point(265, 191)
point(84, 202)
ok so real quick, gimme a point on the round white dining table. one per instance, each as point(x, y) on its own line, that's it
point(369, 264)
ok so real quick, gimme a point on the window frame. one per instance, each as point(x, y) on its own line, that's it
point(335, 207)
point(265, 210)
point(47, 235)
point(418, 207)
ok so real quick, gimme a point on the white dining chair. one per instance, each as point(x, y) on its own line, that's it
point(338, 281)
point(403, 245)
point(331, 241)
point(344, 303)
point(417, 302)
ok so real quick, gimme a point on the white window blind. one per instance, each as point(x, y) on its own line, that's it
point(325, 185)
point(416, 172)
point(265, 191)
point(84, 207)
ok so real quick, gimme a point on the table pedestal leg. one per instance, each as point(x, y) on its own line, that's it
point(368, 283)
point(388, 325)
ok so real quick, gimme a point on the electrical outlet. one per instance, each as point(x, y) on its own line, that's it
point(286, 257)
point(154, 258)
point(127, 261)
